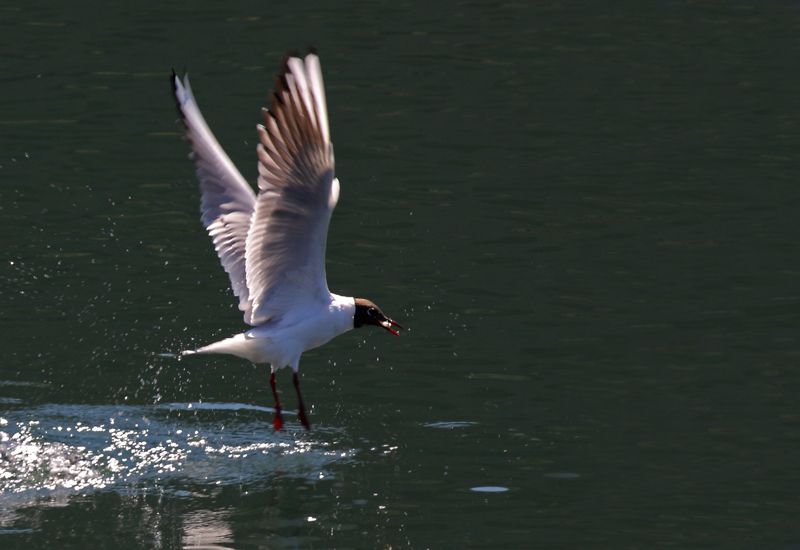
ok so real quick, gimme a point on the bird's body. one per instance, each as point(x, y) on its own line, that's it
point(272, 244)
point(280, 343)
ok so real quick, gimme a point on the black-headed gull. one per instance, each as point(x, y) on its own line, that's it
point(272, 245)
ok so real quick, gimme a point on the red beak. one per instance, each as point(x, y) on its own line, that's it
point(389, 323)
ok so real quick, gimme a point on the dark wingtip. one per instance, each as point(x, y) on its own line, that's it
point(280, 78)
point(280, 86)
point(174, 84)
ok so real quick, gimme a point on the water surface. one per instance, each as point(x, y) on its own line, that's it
point(586, 216)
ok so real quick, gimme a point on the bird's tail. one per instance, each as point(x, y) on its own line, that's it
point(235, 345)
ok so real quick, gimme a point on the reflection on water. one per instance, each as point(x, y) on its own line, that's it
point(78, 448)
point(489, 489)
point(207, 529)
point(172, 475)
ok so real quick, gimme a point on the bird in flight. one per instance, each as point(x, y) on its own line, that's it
point(272, 244)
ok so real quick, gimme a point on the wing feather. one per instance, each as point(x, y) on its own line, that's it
point(285, 249)
point(227, 201)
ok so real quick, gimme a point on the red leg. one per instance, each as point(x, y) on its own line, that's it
point(301, 409)
point(277, 423)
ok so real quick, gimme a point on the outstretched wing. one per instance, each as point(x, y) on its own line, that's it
point(285, 266)
point(227, 201)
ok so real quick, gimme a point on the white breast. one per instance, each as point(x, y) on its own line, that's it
point(282, 345)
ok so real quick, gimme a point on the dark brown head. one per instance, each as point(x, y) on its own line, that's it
point(367, 313)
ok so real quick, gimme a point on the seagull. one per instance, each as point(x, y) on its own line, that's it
point(272, 244)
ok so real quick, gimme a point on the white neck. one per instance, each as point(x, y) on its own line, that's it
point(343, 309)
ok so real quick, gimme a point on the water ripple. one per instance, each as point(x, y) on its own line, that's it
point(80, 448)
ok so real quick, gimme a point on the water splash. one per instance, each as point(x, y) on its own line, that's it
point(79, 448)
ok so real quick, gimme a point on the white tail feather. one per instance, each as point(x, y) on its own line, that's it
point(235, 345)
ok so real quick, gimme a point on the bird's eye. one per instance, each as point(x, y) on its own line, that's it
point(372, 312)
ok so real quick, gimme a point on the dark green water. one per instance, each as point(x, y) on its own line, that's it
point(587, 216)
